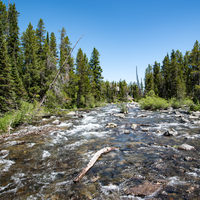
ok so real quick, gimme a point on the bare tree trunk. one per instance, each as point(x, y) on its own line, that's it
point(92, 162)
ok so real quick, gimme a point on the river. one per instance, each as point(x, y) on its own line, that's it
point(145, 165)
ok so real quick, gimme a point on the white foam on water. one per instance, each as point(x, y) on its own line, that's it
point(3, 188)
point(87, 127)
point(30, 145)
point(130, 197)
point(106, 189)
point(194, 174)
point(45, 154)
point(175, 181)
point(11, 143)
point(93, 133)
point(17, 179)
point(68, 125)
point(5, 164)
point(88, 119)
point(74, 145)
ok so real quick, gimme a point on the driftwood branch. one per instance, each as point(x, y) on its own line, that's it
point(92, 162)
point(52, 84)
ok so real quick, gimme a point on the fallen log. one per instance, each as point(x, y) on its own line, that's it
point(92, 162)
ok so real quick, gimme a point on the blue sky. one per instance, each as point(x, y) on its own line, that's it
point(127, 33)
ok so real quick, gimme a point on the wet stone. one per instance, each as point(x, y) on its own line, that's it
point(170, 132)
point(111, 125)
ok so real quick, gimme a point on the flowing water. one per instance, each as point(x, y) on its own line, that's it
point(146, 164)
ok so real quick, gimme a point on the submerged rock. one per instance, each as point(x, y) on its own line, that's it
point(186, 147)
point(170, 132)
point(147, 188)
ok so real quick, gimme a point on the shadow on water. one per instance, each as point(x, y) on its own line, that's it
point(146, 165)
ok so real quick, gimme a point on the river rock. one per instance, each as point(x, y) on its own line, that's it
point(127, 132)
point(111, 125)
point(144, 129)
point(186, 147)
point(56, 122)
point(170, 132)
point(134, 126)
point(121, 115)
point(183, 120)
point(53, 117)
point(147, 188)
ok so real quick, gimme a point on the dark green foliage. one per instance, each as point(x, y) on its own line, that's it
point(96, 76)
point(149, 79)
point(6, 83)
point(31, 67)
point(13, 46)
point(156, 78)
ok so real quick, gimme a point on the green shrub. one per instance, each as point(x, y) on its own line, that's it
point(195, 107)
point(153, 102)
point(123, 107)
point(176, 103)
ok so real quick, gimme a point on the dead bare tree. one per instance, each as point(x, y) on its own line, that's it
point(52, 84)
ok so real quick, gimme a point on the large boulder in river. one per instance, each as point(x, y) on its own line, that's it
point(186, 147)
point(56, 122)
point(170, 132)
point(134, 126)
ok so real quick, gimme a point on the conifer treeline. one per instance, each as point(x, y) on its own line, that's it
point(178, 77)
point(29, 63)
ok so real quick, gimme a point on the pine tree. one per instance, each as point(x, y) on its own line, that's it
point(31, 68)
point(195, 65)
point(149, 83)
point(6, 82)
point(40, 31)
point(165, 71)
point(156, 78)
point(96, 76)
point(13, 45)
point(53, 45)
point(187, 74)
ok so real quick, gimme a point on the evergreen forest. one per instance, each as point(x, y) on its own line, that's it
point(29, 62)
